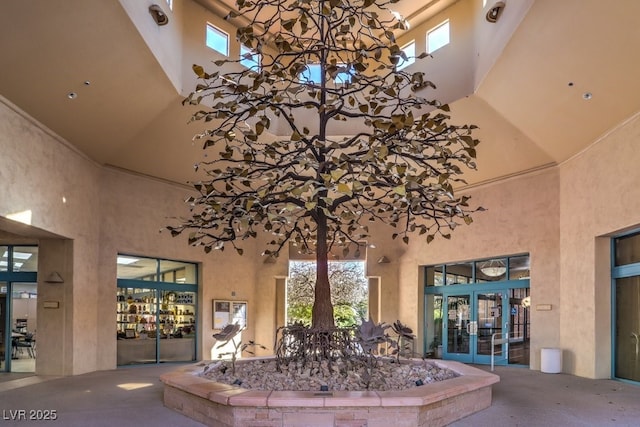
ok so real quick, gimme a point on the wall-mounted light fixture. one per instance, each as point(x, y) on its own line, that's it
point(54, 277)
point(158, 15)
point(495, 11)
point(383, 260)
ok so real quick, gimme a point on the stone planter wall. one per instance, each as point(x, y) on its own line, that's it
point(434, 404)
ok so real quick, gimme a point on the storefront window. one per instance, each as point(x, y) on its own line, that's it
point(519, 267)
point(479, 271)
point(178, 272)
point(461, 273)
point(19, 258)
point(4, 261)
point(156, 314)
point(435, 275)
point(627, 250)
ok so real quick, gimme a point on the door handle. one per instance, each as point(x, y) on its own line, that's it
point(472, 328)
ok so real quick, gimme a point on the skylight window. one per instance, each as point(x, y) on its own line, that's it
point(250, 58)
point(438, 37)
point(410, 50)
point(217, 39)
point(344, 77)
point(311, 74)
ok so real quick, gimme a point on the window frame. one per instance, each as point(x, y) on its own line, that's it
point(220, 32)
point(254, 54)
point(433, 30)
point(411, 59)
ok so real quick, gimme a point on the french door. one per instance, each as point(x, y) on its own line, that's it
point(480, 323)
point(472, 319)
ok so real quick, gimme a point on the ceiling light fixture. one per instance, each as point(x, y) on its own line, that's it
point(587, 96)
point(123, 260)
point(493, 268)
point(158, 15)
point(494, 13)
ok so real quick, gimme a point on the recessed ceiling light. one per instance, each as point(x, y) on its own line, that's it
point(587, 96)
point(123, 260)
point(87, 82)
point(570, 84)
point(72, 95)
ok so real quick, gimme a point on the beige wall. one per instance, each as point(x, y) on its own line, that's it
point(599, 196)
point(58, 186)
point(522, 217)
point(104, 212)
point(562, 216)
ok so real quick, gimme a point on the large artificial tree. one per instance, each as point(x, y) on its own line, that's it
point(317, 69)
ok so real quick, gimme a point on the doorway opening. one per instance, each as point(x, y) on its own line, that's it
point(18, 308)
point(349, 292)
point(478, 311)
point(626, 307)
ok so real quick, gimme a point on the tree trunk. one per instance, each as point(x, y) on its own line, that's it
point(322, 314)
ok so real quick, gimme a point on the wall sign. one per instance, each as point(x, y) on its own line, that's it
point(225, 312)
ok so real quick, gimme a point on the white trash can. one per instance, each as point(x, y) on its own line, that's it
point(551, 360)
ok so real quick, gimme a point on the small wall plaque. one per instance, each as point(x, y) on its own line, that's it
point(543, 307)
point(52, 304)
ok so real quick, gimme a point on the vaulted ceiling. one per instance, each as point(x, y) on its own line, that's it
point(544, 82)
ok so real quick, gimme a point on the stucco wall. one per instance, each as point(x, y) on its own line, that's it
point(521, 217)
point(104, 212)
point(57, 185)
point(562, 217)
point(599, 196)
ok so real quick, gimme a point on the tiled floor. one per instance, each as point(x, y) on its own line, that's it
point(133, 396)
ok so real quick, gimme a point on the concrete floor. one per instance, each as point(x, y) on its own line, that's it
point(132, 396)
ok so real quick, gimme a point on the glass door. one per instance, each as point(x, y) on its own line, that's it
point(489, 332)
point(5, 337)
point(177, 324)
point(473, 321)
point(155, 326)
point(627, 328)
point(458, 326)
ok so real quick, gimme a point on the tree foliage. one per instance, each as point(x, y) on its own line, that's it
point(281, 169)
